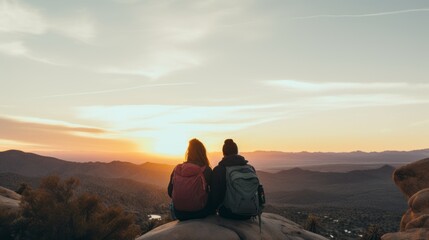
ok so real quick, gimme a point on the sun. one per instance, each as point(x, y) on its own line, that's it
point(171, 143)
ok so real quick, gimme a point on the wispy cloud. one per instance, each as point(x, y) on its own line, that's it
point(419, 123)
point(46, 136)
point(18, 49)
point(365, 14)
point(80, 27)
point(312, 97)
point(304, 86)
point(116, 90)
point(156, 64)
point(165, 116)
point(11, 144)
point(168, 127)
point(171, 32)
point(360, 100)
point(16, 17)
point(54, 124)
point(13, 48)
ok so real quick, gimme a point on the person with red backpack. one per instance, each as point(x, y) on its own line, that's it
point(189, 186)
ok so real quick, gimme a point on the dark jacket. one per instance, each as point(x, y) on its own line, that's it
point(182, 215)
point(218, 184)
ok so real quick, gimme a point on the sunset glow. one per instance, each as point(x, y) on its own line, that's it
point(142, 78)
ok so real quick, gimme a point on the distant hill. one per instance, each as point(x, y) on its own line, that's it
point(274, 160)
point(297, 178)
point(33, 165)
point(360, 188)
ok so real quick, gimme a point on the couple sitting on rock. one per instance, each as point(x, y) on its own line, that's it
point(232, 189)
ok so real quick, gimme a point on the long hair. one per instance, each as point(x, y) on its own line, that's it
point(196, 152)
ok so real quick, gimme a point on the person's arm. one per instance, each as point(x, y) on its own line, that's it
point(218, 186)
point(170, 185)
point(208, 172)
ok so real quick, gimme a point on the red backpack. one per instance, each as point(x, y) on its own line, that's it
point(189, 187)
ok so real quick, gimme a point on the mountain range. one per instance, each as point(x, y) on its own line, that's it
point(331, 161)
point(33, 165)
point(292, 185)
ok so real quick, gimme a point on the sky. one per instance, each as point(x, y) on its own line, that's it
point(128, 79)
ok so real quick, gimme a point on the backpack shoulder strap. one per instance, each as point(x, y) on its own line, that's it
point(203, 177)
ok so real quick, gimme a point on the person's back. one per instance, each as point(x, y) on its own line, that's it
point(235, 185)
point(190, 184)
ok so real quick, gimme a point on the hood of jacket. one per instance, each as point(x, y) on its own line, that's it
point(233, 160)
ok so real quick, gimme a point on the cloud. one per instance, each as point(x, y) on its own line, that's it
point(156, 64)
point(173, 32)
point(419, 123)
point(10, 144)
point(366, 14)
point(304, 86)
point(15, 17)
point(361, 100)
point(186, 23)
point(116, 90)
point(80, 27)
point(158, 117)
point(13, 48)
point(55, 125)
point(45, 136)
point(169, 127)
point(19, 18)
point(311, 97)
point(18, 49)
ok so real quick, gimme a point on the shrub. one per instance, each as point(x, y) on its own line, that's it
point(374, 232)
point(7, 224)
point(312, 223)
point(53, 211)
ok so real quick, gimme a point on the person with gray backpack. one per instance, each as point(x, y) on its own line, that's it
point(236, 190)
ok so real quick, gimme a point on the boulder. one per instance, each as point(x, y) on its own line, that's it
point(412, 234)
point(413, 181)
point(418, 213)
point(9, 200)
point(412, 177)
point(9, 193)
point(215, 227)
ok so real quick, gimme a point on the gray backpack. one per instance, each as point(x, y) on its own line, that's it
point(241, 195)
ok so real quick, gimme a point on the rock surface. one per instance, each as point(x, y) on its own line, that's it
point(215, 227)
point(412, 177)
point(9, 200)
point(412, 234)
point(413, 181)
